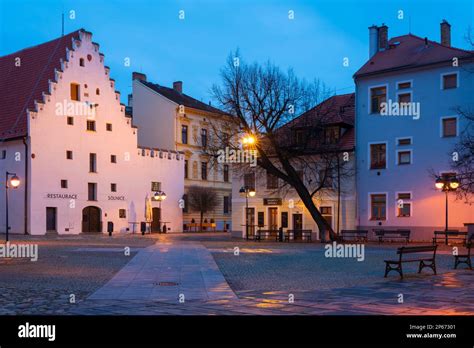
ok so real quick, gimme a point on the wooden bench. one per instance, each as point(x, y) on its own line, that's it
point(427, 261)
point(304, 235)
point(354, 234)
point(404, 234)
point(450, 234)
point(464, 258)
point(265, 234)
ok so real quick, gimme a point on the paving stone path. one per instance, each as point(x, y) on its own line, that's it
point(136, 290)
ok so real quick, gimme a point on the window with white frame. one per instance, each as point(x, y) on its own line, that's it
point(449, 126)
point(378, 206)
point(404, 157)
point(404, 204)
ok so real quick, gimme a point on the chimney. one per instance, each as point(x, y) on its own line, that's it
point(383, 37)
point(130, 99)
point(178, 86)
point(138, 76)
point(445, 33)
point(373, 40)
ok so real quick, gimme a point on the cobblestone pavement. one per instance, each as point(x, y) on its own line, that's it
point(66, 265)
point(264, 276)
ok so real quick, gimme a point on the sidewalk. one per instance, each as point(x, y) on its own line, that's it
point(168, 272)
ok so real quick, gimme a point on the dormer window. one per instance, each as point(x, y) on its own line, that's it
point(331, 135)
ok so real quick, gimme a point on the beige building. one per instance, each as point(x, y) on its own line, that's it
point(276, 206)
point(168, 118)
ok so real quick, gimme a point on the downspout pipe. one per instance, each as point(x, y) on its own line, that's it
point(25, 217)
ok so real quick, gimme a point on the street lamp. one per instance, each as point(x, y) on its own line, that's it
point(447, 184)
point(248, 192)
point(14, 182)
point(248, 140)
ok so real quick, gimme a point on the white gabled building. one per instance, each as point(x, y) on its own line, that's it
point(65, 133)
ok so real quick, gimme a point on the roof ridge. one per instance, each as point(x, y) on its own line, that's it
point(433, 42)
point(43, 43)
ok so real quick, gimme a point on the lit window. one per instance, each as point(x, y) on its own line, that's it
point(91, 125)
point(75, 92)
point(404, 204)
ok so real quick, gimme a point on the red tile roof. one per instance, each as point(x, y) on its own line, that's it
point(181, 98)
point(21, 86)
point(410, 51)
point(336, 110)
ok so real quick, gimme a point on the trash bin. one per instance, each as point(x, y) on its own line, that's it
point(110, 227)
point(143, 227)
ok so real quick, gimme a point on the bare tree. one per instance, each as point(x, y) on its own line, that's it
point(265, 101)
point(463, 152)
point(202, 200)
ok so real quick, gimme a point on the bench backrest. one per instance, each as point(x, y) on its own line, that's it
point(354, 231)
point(451, 233)
point(399, 232)
point(416, 249)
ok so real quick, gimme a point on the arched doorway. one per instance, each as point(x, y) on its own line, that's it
point(91, 219)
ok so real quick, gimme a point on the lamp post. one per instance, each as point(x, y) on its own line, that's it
point(446, 184)
point(160, 196)
point(248, 192)
point(14, 182)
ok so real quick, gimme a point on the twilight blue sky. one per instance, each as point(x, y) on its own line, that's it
point(193, 50)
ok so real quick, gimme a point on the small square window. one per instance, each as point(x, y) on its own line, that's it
point(69, 154)
point(113, 158)
point(449, 127)
point(108, 127)
point(91, 125)
point(404, 141)
point(64, 184)
point(404, 98)
point(122, 214)
point(404, 157)
point(113, 187)
point(70, 121)
point(450, 81)
point(404, 85)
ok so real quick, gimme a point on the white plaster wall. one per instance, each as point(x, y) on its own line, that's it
point(133, 173)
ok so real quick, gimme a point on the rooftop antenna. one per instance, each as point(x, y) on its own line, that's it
point(409, 24)
point(62, 23)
